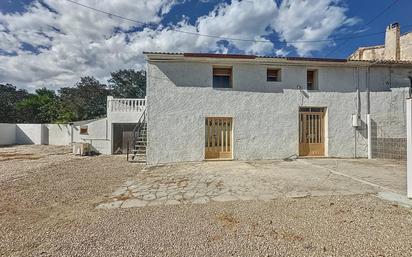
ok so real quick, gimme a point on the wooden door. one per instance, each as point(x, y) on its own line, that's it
point(218, 140)
point(311, 132)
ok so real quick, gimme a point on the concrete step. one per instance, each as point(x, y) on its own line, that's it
point(140, 155)
point(139, 160)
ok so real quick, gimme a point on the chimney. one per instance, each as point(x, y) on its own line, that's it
point(392, 42)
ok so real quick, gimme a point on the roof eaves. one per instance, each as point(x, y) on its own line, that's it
point(225, 56)
point(280, 58)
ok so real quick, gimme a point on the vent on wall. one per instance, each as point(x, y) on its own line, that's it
point(83, 130)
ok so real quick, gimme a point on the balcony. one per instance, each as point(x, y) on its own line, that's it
point(125, 110)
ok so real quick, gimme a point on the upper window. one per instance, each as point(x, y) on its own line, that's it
point(312, 79)
point(273, 75)
point(222, 77)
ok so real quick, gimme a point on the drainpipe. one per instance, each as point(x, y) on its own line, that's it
point(368, 117)
point(358, 92)
point(368, 95)
point(358, 106)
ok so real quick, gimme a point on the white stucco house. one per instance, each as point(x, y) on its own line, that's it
point(245, 107)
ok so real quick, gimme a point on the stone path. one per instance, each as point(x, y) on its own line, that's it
point(198, 183)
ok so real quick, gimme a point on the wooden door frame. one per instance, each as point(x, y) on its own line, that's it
point(231, 138)
point(325, 130)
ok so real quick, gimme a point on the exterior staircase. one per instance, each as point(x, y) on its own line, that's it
point(139, 141)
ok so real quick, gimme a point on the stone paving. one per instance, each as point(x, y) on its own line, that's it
point(199, 183)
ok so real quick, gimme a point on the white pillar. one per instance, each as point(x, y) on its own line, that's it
point(409, 147)
point(369, 127)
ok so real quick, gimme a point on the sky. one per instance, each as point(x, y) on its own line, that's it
point(52, 43)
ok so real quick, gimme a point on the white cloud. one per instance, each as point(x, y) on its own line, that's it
point(308, 20)
point(77, 41)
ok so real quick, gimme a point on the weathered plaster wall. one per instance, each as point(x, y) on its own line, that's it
point(369, 53)
point(406, 46)
point(265, 114)
point(7, 134)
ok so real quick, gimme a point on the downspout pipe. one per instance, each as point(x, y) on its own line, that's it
point(368, 95)
point(358, 100)
point(368, 109)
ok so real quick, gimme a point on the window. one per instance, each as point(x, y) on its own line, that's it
point(312, 81)
point(273, 75)
point(222, 77)
point(83, 130)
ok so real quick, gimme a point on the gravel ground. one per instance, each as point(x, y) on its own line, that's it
point(48, 209)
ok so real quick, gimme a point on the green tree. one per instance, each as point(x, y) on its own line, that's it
point(128, 83)
point(41, 107)
point(87, 100)
point(9, 96)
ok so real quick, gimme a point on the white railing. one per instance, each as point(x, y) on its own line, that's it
point(126, 104)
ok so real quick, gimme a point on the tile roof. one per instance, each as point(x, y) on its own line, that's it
point(246, 56)
point(291, 58)
point(212, 55)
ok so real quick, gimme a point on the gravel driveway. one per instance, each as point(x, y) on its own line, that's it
point(48, 208)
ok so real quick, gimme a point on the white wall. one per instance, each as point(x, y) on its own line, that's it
point(98, 135)
point(30, 134)
point(59, 134)
point(265, 114)
point(7, 134)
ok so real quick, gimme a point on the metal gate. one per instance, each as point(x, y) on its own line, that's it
point(218, 141)
point(311, 132)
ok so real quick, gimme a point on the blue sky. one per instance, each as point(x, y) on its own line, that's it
point(54, 42)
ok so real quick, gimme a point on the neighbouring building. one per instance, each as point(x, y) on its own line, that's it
point(397, 47)
point(245, 107)
point(108, 135)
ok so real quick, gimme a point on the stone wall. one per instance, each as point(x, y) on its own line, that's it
point(396, 47)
